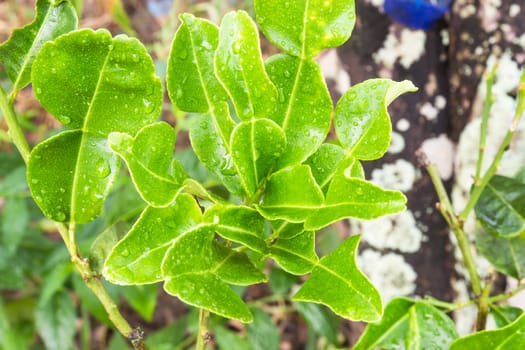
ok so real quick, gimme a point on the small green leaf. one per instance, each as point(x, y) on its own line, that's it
point(95, 85)
point(137, 258)
point(324, 162)
point(263, 333)
point(305, 107)
point(355, 198)
point(256, 145)
point(361, 119)
point(229, 339)
point(511, 337)
point(320, 320)
point(305, 27)
point(192, 84)
point(501, 207)
point(15, 221)
point(240, 68)
point(142, 298)
point(239, 224)
point(507, 255)
point(351, 295)
point(157, 177)
point(505, 314)
point(407, 324)
point(291, 194)
point(53, 18)
point(54, 321)
point(296, 255)
point(286, 230)
point(102, 247)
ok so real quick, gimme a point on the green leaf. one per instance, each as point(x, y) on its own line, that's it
point(240, 68)
point(157, 177)
point(291, 194)
point(507, 255)
point(305, 107)
point(320, 320)
point(14, 182)
point(55, 320)
point(355, 198)
point(256, 145)
point(95, 85)
point(296, 255)
point(510, 337)
point(239, 224)
point(351, 295)
point(137, 258)
point(407, 324)
point(505, 314)
point(15, 221)
point(191, 81)
point(263, 334)
point(305, 27)
point(53, 18)
point(143, 299)
point(197, 270)
point(281, 281)
point(361, 118)
point(501, 207)
point(324, 161)
point(286, 230)
point(228, 339)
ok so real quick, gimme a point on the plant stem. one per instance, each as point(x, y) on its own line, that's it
point(483, 307)
point(14, 129)
point(203, 334)
point(506, 295)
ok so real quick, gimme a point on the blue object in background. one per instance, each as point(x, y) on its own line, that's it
point(419, 14)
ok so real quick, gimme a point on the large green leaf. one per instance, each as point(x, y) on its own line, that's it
point(305, 27)
point(256, 145)
point(501, 207)
point(407, 324)
point(361, 118)
point(291, 194)
point(197, 270)
point(350, 197)
point(137, 258)
point(351, 294)
point(240, 224)
point(191, 81)
point(53, 18)
point(157, 177)
point(239, 66)
point(305, 107)
point(95, 85)
point(295, 255)
point(511, 337)
point(507, 255)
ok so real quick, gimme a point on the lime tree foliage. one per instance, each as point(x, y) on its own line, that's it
point(260, 127)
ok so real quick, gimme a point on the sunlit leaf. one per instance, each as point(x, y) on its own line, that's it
point(350, 295)
point(305, 27)
point(324, 162)
point(94, 84)
point(53, 18)
point(296, 255)
point(507, 255)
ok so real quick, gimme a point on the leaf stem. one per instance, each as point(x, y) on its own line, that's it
point(14, 129)
point(203, 334)
point(483, 307)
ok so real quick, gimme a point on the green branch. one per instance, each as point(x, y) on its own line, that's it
point(14, 130)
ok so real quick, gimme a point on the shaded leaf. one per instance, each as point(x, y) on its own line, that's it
point(305, 27)
point(507, 255)
point(320, 320)
point(142, 299)
point(53, 18)
point(305, 107)
point(505, 314)
point(351, 295)
point(240, 68)
point(228, 339)
point(296, 255)
point(14, 182)
point(55, 320)
point(15, 220)
point(501, 207)
point(262, 333)
point(281, 281)
point(361, 118)
point(157, 177)
point(95, 85)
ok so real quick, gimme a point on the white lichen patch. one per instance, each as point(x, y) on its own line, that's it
point(490, 14)
point(389, 273)
point(377, 3)
point(406, 49)
point(440, 151)
point(428, 111)
point(399, 232)
point(402, 125)
point(400, 175)
point(397, 143)
point(514, 10)
point(332, 68)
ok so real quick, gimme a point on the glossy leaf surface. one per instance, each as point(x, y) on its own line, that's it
point(355, 198)
point(407, 324)
point(305, 107)
point(351, 295)
point(256, 144)
point(507, 255)
point(148, 156)
point(53, 18)
point(361, 119)
point(305, 27)
point(501, 207)
point(137, 258)
point(295, 255)
point(94, 84)
point(510, 337)
point(291, 194)
point(324, 161)
point(239, 66)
